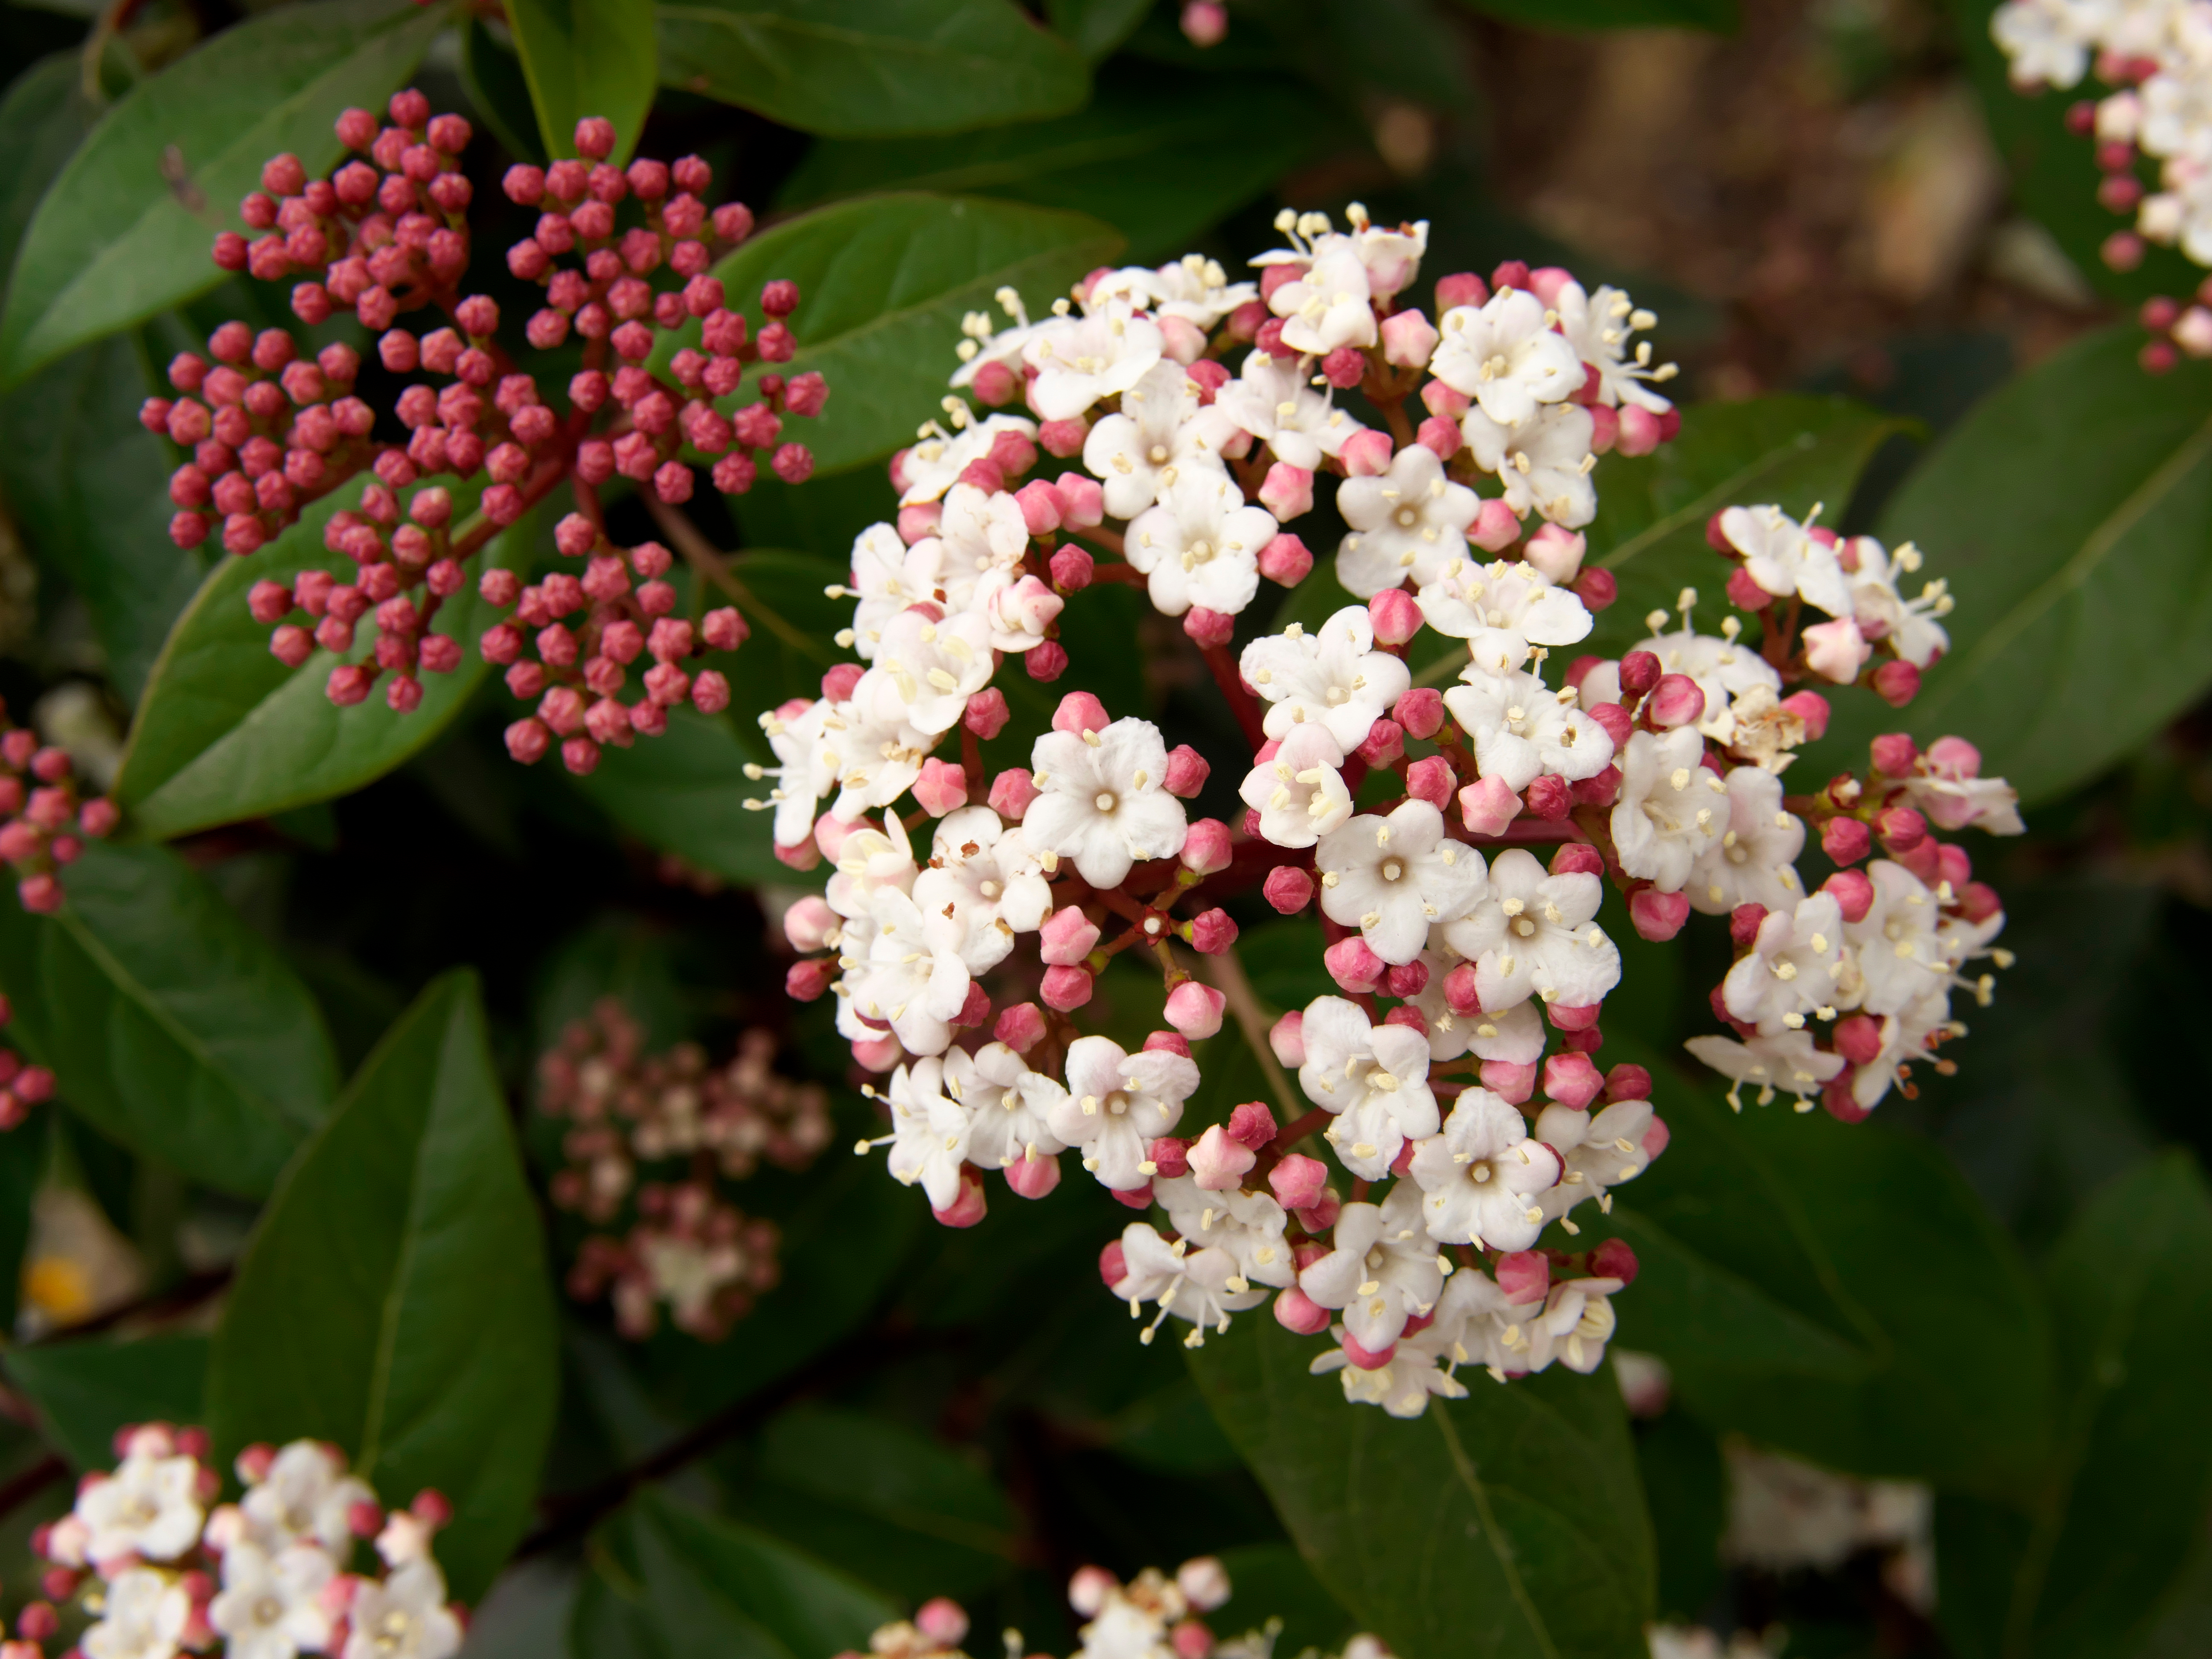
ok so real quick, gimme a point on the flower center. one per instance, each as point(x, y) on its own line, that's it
point(1392, 870)
point(1407, 517)
point(268, 1611)
point(1105, 803)
point(1524, 928)
point(1479, 1171)
point(1157, 455)
point(1117, 1104)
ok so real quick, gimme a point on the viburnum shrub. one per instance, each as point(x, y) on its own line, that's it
point(1478, 874)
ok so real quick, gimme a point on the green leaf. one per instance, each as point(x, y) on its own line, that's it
point(1836, 1291)
point(1096, 26)
point(124, 231)
point(884, 282)
point(587, 57)
point(85, 1391)
point(669, 1580)
point(1159, 154)
point(871, 68)
point(684, 792)
point(1650, 531)
point(91, 486)
point(2055, 511)
point(1577, 15)
point(492, 76)
point(2111, 1531)
point(395, 1299)
point(225, 731)
point(43, 119)
point(171, 1025)
point(1507, 1523)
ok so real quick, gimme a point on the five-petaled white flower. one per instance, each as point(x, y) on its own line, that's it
point(1672, 810)
point(1204, 1287)
point(930, 1124)
point(1328, 305)
point(1534, 936)
point(1200, 545)
point(1900, 957)
point(1410, 521)
point(150, 1508)
point(1393, 877)
point(143, 1616)
point(912, 980)
point(1875, 576)
point(1543, 463)
point(1160, 433)
point(1334, 677)
point(1787, 1059)
point(1510, 594)
point(1382, 1271)
point(934, 465)
point(926, 668)
point(1790, 970)
point(1522, 729)
point(1783, 559)
point(1506, 355)
point(404, 1617)
point(1103, 800)
point(1482, 1175)
point(1602, 1149)
point(305, 1497)
point(1118, 1103)
point(1248, 1225)
point(1093, 357)
point(985, 879)
point(1297, 791)
point(1374, 1078)
point(1272, 402)
point(1755, 861)
point(270, 1606)
point(1598, 327)
point(1013, 1108)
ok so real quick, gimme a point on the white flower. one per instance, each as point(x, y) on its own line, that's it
point(1374, 1078)
point(1119, 1102)
point(1543, 463)
point(1755, 861)
point(305, 1497)
point(1273, 401)
point(1198, 1285)
point(1534, 935)
point(1298, 791)
point(926, 668)
point(1482, 1175)
point(1475, 1324)
point(1945, 785)
point(1672, 811)
point(869, 749)
point(1467, 599)
point(1514, 1034)
point(888, 576)
point(1786, 1060)
point(1411, 521)
point(930, 1127)
point(1506, 356)
point(269, 1606)
point(1160, 433)
point(984, 878)
point(1382, 1271)
point(807, 769)
point(1194, 289)
point(1200, 545)
point(1879, 607)
point(1093, 357)
point(1598, 327)
point(1012, 1110)
point(2049, 41)
point(1790, 971)
point(1725, 671)
point(1334, 677)
point(1104, 803)
point(142, 1617)
point(1417, 1372)
point(1329, 306)
point(978, 533)
point(870, 862)
point(1248, 1225)
point(1577, 1323)
point(1016, 609)
point(1901, 959)
point(1522, 729)
point(1393, 257)
point(912, 980)
point(1904, 1039)
point(150, 1508)
point(1783, 559)
point(1392, 876)
point(934, 465)
point(403, 1618)
point(1602, 1149)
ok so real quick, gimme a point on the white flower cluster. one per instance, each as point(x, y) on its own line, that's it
point(266, 1578)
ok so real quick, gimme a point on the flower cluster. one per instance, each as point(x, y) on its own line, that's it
point(44, 823)
point(1472, 972)
point(147, 1565)
point(2156, 55)
point(1154, 1616)
point(623, 257)
point(21, 1087)
point(686, 1128)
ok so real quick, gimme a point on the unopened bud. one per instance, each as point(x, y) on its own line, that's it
point(1896, 681)
point(1285, 560)
point(1676, 700)
point(1210, 933)
point(1571, 1079)
point(1853, 892)
point(987, 713)
point(1021, 1027)
point(1487, 805)
point(1288, 888)
point(941, 788)
point(1208, 628)
point(1066, 989)
point(1194, 1010)
point(1011, 791)
point(1067, 936)
point(1353, 966)
point(1657, 916)
point(1288, 1040)
point(1396, 618)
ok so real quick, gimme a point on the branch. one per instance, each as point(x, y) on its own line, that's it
point(699, 553)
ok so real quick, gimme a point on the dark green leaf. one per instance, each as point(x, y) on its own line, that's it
point(1577, 15)
point(85, 1391)
point(44, 118)
point(1650, 528)
point(587, 57)
point(871, 69)
point(494, 79)
point(1097, 26)
point(1272, 1581)
point(684, 792)
point(1685, 1482)
point(225, 731)
point(170, 1024)
point(1158, 155)
point(91, 486)
point(2069, 513)
point(667, 1580)
point(125, 229)
point(1507, 1523)
point(884, 282)
point(395, 1299)
point(1838, 1291)
point(2122, 1504)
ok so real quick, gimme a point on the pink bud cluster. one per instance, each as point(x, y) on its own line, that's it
point(21, 1087)
point(44, 823)
point(654, 1138)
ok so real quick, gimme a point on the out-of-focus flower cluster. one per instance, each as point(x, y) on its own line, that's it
point(623, 257)
point(44, 820)
point(1154, 1616)
point(2156, 55)
point(1455, 946)
point(148, 1565)
point(651, 1140)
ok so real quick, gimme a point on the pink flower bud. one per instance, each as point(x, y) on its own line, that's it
point(1208, 628)
point(1524, 1276)
point(1853, 892)
point(1420, 712)
point(1676, 700)
point(967, 1209)
point(1219, 1162)
point(1408, 339)
point(1344, 368)
point(1462, 994)
point(802, 856)
point(806, 981)
point(1978, 902)
point(1352, 965)
point(1080, 711)
point(1487, 806)
point(1287, 1038)
point(1368, 1359)
point(1858, 1038)
point(1571, 1079)
point(1067, 936)
point(940, 788)
point(1443, 403)
point(1440, 436)
point(837, 683)
point(1461, 289)
point(1657, 916)
point(809, 923)
point(1366, 454)
point(1210, 933)
point(1432, 781)
point(831, 831)
point(1846, 840)
point(710, 692)
point(1396, 618)
point(1496, 527)
point(1206, 847)
point(1066, 989)
point(1210, 377)
point(1901, 829)
point(975, 1010)
point(1287, 491)
point(987, 713)
point(1285, 560)
point(1288, 888)
point(1548, 798)
point(1021, 1027)
point(1194, 1010)
point(1746, 594)
point(1558, 553)
point(1041, 506)
point(1383, 745)
point(1640, 671)
point(1296, 1311)
point(1011, 791)
point(1896, 682)
point(1063, 438)
point(1513, 1084)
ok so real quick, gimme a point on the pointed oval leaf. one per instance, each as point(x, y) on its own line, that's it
point(226, 731)
point(871, 68)
point(171, 1024)
point(587, 57)
point(395, 1299)
point(85, 1391)
point(125, 229)
point(1507, 1525)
